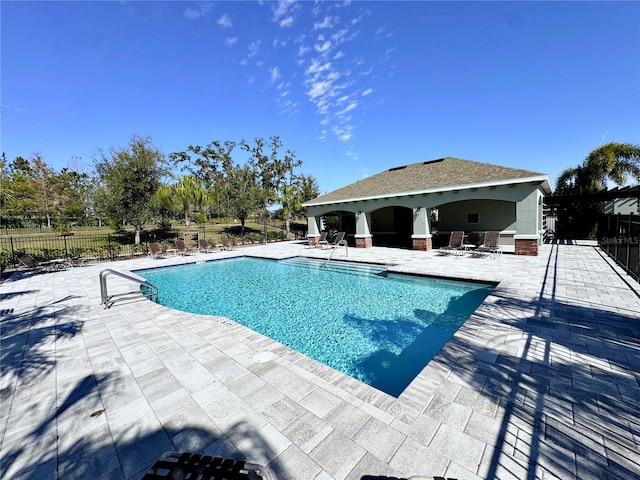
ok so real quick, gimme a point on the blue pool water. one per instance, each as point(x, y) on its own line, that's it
point(379, 328)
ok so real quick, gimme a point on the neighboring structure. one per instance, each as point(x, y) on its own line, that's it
point(623, 204)
point(415, 205)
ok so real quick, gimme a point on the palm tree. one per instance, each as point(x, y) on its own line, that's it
point(188, 191)
point(613, 162)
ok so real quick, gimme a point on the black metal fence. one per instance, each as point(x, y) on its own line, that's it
point(619, 237)
point(109, 246)
point(98, 247)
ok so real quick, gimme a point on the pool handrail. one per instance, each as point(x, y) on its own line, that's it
point(153, 290)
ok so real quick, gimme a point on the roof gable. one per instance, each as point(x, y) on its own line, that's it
point(439, 174)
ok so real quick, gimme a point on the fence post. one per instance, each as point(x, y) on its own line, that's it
point(627, 267)
point(66, 252)
point(13, 253)
point(109, 247)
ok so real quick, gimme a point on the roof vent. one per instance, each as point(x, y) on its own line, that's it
point(433, 161)
point(397, 168)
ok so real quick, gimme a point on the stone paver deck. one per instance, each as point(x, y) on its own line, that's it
point(541, 382)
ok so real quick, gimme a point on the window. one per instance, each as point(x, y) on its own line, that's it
point(472, 217)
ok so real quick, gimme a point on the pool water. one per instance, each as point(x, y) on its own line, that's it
point(379, 328)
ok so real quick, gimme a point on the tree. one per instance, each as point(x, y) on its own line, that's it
point(204, 162)
point(129, 179)
point(271, 170)
point(165, 206)
point(22, 199)
point(72, 195)
point(189, 191)
point(241, 192)
point(43, 179)
point(293, 194)
point(266, 178)
point(309, 190)
point(613, 162)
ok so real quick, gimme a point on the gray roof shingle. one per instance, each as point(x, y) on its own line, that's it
point(429, 175)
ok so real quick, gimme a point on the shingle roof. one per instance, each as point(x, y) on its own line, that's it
point(424, 176)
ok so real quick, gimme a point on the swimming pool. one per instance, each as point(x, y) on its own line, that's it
point(377, 327)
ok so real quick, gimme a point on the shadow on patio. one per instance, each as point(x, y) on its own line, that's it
point(565, 379)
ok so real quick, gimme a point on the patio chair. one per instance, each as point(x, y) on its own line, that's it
point(322, 240)
point(181, 247)
point(204, 247)
point(226, 242)
point(173, 465)
point(31, 263)
point(27, 261)
point(155, 251)
point(455, 242)
point(491, 244)
point(338, 241)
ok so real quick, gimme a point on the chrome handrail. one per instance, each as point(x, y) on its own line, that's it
point(346, 246)
point(103, 286)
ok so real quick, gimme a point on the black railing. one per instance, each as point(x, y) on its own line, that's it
point(619, 237)
point(97, 247)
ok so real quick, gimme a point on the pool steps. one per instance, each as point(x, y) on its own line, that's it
point(339, 266)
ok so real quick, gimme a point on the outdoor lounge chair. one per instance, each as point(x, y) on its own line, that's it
point(174, 465)
point(225, 241)
point(491, 244)
point(322, 241)
point(455, 242)
point(31, 263)
point(155, 251)
point(181, 247)
point(338, 241)
point(27, 261)
point(204, 247)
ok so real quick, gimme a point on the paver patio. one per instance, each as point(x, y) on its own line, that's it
point(541, 382)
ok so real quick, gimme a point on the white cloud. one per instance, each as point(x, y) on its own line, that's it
point(327, 22)
point(275, 74)
point(224, 21)
point(302, 50)
point(322, 47)
point(254, 48)
point(280, 9)
point(282, 12)
point(352, 106)
point(317, 67)
point(368, 91)
point(194, 13)
point(231, 41)
point(344, 134)
point(319, 88)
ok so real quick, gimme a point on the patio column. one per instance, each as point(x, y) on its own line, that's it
point(363, 236)
point(421, 229)
point(313, 230)
point(527, 238)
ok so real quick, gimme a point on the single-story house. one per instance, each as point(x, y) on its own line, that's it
point(418, 205)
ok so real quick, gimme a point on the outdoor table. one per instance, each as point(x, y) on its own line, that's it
point(469, 247)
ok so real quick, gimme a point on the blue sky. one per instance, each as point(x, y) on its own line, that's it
point(353, 88)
